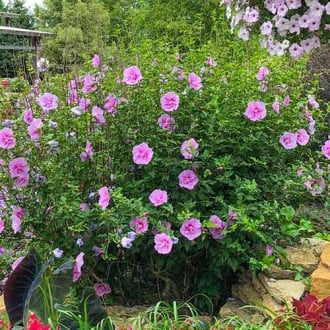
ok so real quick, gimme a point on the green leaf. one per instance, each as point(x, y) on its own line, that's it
point(36, 299)
point(51, 291)
point(210, 224)
point(288, 212)
point(61, 281)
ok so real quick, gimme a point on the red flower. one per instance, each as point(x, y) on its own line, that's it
point(35, 324)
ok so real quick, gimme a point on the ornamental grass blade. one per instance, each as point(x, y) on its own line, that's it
point(18, 285)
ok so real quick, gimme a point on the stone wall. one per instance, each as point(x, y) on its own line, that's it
point(275, 287)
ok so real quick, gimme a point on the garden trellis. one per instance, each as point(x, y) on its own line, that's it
point(34, 36)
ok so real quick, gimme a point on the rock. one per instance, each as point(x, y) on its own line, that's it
point(315, 244)
point(246, 293)
point(283, 290)
point(257, 292)
point(258, 286)
point(303, 257)
point(2, 305)
point(235, 307)
point(325, 256)
point(279, 273)
point(269, 302)
point(320, 282)
point(120, 315)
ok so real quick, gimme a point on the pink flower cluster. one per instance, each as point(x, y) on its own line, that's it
point(261, 76)
point(290, 140)
point(289, 19)
point(19, 170)
point(315, 182)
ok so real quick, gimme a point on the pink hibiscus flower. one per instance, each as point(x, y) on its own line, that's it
point(255, 111)
point(191, 229)
point(158, 197)
point(132, 75)
point(188, 179)
point(96, 62)
point(163, 243)
point(97, 114)
point(302, 137)
point(170, 102)
point(7, 140)
point(77, 267)
point(262, 73)
point(140, 225)
point(18, 167)
point(104, 197)
point(195, 82)
point(217, 233)
point(142, 154)
point(289, 140)
point(326, 149)
point(101, 289)
point(166, 122)
point(34, 129)
point(48, 102)
point(189, 148)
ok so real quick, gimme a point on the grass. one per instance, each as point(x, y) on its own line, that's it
point(184, 316)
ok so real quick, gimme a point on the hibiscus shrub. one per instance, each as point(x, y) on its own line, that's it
point(161, 171)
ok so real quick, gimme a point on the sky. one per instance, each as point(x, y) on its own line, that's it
point(29, 3)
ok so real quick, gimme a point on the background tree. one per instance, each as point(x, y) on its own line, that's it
point(12, 61)
point(124, 23)
point(81, 29)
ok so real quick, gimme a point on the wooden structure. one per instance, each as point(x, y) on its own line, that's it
point(5, 17)
point(33, 35)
